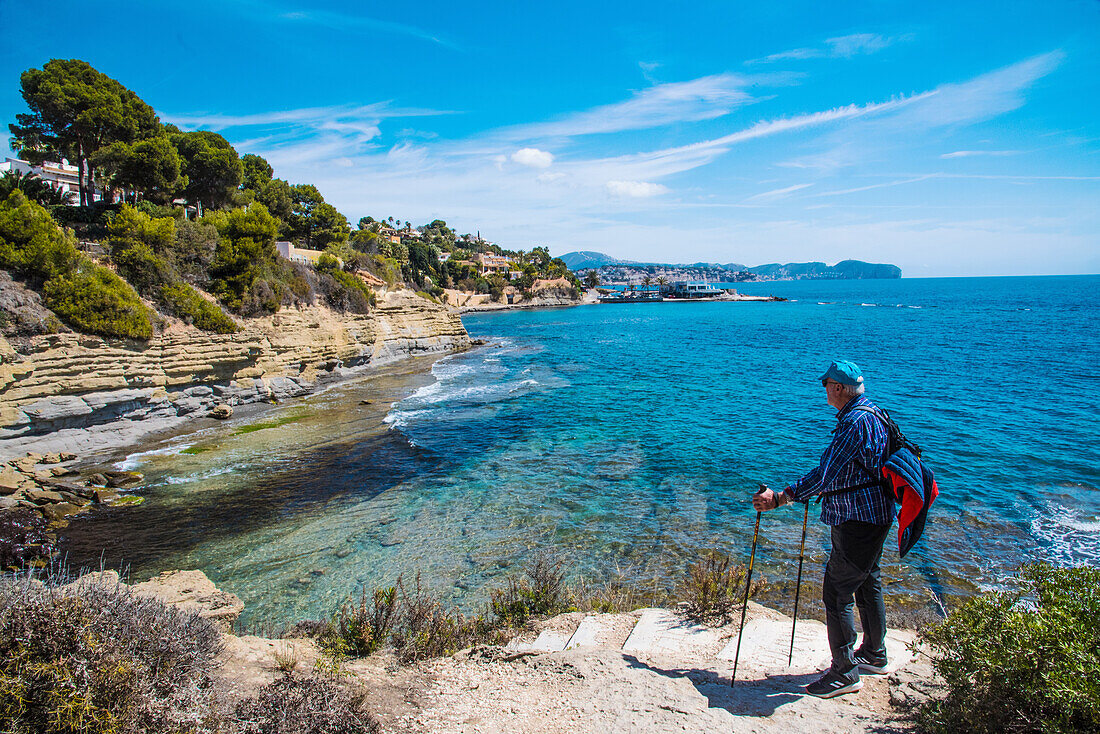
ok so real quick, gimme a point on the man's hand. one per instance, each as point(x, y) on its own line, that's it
point(765, 499)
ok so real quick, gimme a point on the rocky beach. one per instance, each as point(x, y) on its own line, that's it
point(86, 394)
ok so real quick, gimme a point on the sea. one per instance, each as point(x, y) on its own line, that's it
point(626, 440)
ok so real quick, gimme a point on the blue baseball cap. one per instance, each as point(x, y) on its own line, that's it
point(844, 372)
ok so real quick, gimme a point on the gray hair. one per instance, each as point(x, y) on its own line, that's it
point(850, 391)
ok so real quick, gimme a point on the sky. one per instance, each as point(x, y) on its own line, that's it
point(949, 138)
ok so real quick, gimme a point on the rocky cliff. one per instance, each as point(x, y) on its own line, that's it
point(87, 393)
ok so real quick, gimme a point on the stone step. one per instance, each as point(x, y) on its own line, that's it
point(586, 633)
point(767, 645)
point(550, 641)
point(661, 631)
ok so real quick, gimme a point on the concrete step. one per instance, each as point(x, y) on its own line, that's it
point(661, 631)
point(767, 644)
point(603, 630)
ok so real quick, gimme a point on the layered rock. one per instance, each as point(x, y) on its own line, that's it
point(60, 383)
point(542, 294)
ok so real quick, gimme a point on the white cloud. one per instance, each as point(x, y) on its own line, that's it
point(778, 193)
point(969, 153)
point(533, 157)
point(635, 189)
point(362, 117)
point(704, 98)
point(342, 22)
point(982, 97)
point(549, 177)
point(855, 44)
point(878, 186)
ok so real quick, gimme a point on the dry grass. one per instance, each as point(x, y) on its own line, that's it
point(97, 658)
point(298, 705)
point(714, 588)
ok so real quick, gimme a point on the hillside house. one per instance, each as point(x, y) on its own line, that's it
point(492, 263)
point(60, 176)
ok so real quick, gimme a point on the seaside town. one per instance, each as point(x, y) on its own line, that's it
point(266, 468)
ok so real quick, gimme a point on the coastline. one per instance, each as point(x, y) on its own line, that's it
point(87, 395)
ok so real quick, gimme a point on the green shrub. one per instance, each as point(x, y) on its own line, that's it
point(713, 588)
point(94, 300)
point(539, 592)
point(364, 627)
point(244, 254)
point(427, 629)
point(88, 222)
point(342, 291)
point(193, 250)
point(184, 302)
point(31, 244)
point(143, 269)
point(1026, 660)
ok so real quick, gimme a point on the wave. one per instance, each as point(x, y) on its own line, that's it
point(199, 476)
point(136, 459)
point(1069, 537)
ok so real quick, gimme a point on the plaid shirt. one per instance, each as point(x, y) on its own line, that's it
point(858, 435)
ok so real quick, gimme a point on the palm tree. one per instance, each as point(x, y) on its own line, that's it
point(34, 188)
point(646, 281)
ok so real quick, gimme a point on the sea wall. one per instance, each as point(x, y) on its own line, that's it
point(84, 393)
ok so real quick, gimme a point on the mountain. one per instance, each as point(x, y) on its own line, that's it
point(588, 260)
point(613, 269)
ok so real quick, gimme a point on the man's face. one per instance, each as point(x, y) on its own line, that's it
point(833, 394)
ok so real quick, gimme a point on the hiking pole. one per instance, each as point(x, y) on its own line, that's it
point(798, 588)
point(748, 585)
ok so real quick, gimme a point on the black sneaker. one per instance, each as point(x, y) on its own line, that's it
point(834, 684)
point(872, 664)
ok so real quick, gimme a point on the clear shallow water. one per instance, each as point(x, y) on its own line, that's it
point(628, 437)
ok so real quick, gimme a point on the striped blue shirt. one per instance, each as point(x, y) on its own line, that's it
point(858, 435)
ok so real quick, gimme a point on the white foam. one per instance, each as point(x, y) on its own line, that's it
point(1071, 537)
point(135, 460)
point(199, 476)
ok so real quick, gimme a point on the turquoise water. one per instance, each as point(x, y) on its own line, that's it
point(628, 437)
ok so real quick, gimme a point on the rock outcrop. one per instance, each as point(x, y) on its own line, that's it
point(542, 294)
point(88, 393)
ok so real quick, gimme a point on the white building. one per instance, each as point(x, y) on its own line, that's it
point(60, 176)
point(299, 254)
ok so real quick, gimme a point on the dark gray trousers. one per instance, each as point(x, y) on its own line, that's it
point(852, 579)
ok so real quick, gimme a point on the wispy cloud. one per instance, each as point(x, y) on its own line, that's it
point(704, 98)
point(316, 117)
point(858, 44)
point(342, 22)
point(985, 96)
point(970, 153)
point(855, 44)
point(857, 189)
point(778, 193)
point(953, 105)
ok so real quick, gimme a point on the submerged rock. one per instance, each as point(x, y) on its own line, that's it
point(23, 538)
point(221, 412)
point(123, 478)
point(60, 510)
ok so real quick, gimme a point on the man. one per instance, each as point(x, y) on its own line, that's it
point(854, 504)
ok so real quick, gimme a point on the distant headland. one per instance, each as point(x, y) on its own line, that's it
point(614, 270)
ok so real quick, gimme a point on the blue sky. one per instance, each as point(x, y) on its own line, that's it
point(949, 138)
